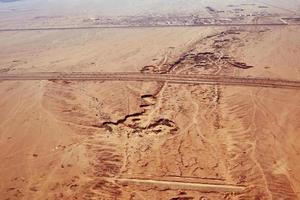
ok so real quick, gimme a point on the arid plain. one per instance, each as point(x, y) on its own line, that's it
point(128, 138)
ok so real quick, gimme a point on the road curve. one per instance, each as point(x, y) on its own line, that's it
point(147, 77)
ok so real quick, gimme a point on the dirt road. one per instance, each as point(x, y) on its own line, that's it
point(139, 26)
point(171, 78)
point(181, 185)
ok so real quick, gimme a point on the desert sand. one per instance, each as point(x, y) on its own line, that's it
point(127, 138)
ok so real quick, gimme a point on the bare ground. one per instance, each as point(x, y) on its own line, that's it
point(65, 139)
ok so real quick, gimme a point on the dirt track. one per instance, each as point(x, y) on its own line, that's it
point(171, 78)
point(182, 185)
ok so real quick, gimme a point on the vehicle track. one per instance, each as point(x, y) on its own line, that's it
point(181, 185)
point(171, 78)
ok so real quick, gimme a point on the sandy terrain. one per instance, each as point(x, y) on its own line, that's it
point(107, 50)
point(154, 138)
